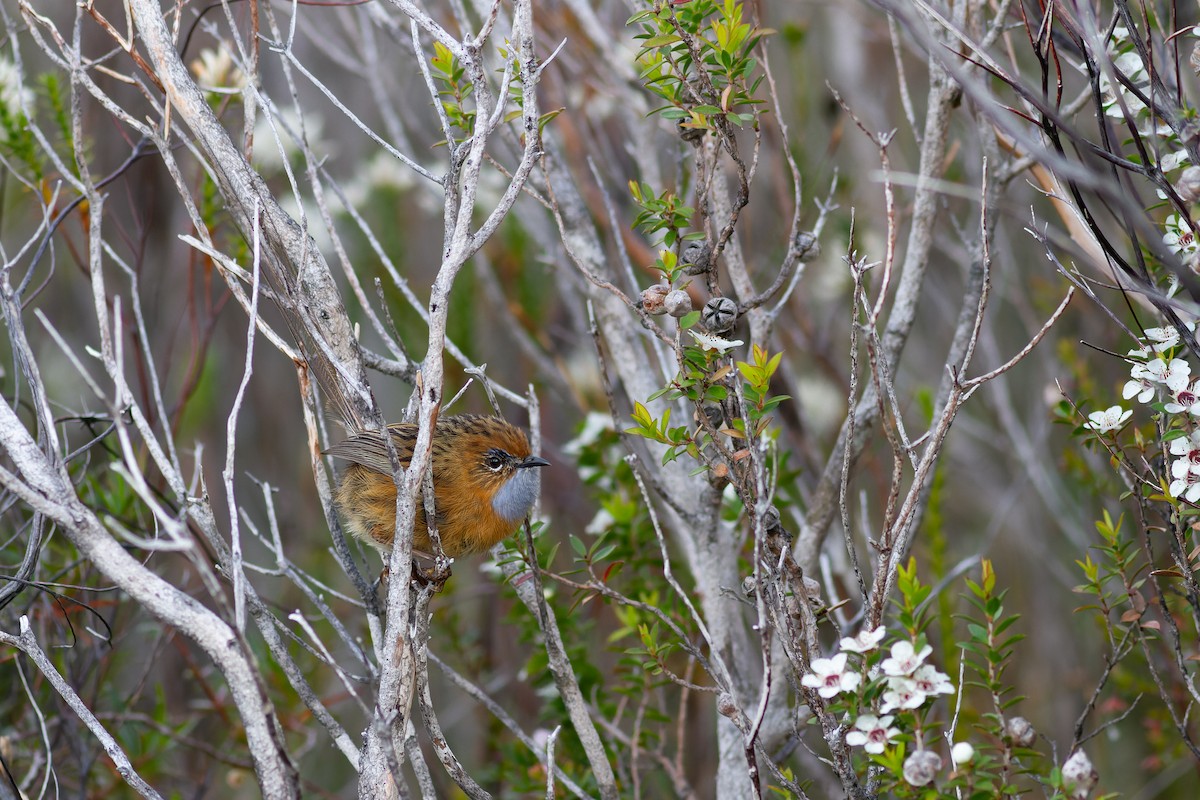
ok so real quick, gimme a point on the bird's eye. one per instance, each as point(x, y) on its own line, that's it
point(493, 461)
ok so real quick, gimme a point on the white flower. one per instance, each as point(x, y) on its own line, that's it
point(1167, 372)
point(865, 642)
point(594, 426)
point(1141, 383)
point(1187, 481)
point(1179, 237)
point(709, 342)
point(600, 523)
point(929, 681)
point(1162, 339)
point(214, 69)
point(1130, 64)
point(1187, 446)
point(268, 156)
point(872, 733)
point(1185, 396)
point(830, 677)
point(922, 767)
point(1110, 419)
point(905, 659)
point(902, 694)
point(962, 753)
point(1173, 161)
point(13, 93)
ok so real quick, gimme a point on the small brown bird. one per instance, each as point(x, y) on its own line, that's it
point(483, 483)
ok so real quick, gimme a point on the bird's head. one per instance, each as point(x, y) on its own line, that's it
point(498, 465)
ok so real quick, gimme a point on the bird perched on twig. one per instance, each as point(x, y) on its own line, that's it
point(485, 482)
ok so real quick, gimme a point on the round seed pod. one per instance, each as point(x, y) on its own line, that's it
point(698, 257)
point(922, 767)
point(678, 303)
point(653, 299)
point(719, 315)
point(1188, 185)
point(1021, 731)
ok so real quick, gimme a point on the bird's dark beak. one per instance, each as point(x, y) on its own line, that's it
point(533, 461)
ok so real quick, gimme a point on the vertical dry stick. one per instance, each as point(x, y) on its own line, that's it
point(549, 760)
point(235, 530)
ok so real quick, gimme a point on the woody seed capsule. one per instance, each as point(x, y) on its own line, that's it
point(718, 315)
point(698, 258)
point(677, 303)
point(1188, 185)
point(653, 298)
point(1021, 731)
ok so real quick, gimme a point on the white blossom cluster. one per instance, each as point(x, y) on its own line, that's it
point(909, 684)
point(1157, 375)
point(1121, 98)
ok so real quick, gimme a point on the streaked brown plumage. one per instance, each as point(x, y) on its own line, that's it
point(483, 482)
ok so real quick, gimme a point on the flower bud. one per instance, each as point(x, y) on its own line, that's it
point(677, 303)
point(962, 753)
point(652, 301)
point(922, 767)
point(719, 315)
point(1188, 185)
point(1021, 731)
point(1079, 777)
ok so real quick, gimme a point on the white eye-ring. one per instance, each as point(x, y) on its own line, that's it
point(494, 461)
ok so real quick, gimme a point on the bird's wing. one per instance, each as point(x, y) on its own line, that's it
point(368, 449)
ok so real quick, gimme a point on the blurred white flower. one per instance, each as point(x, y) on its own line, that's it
point(902, 694)
point(929, 681)
point(1163, 339)
point(871, 733)
point(268, 157)
point(905, 659)
point(1186, 483)
point(1140, 384)
point(1185, 396)
point(215, 70)
point(1179, 238)
point(1188, 447)
point(1173, 161)
point(864, 642)
point(13, 95)
point(1107, 420)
